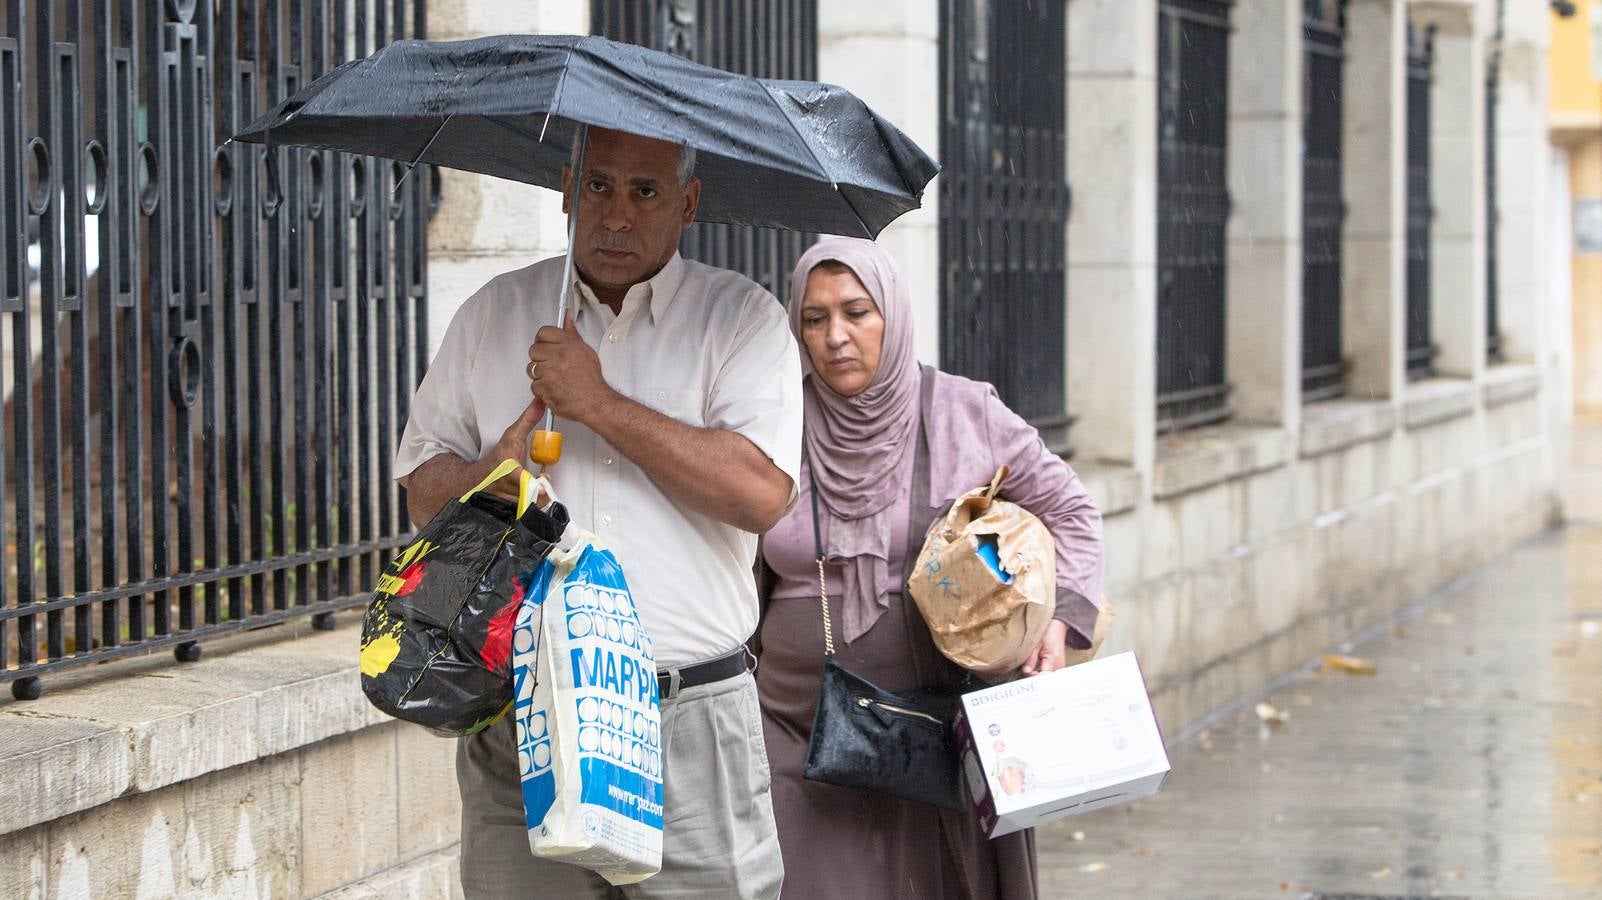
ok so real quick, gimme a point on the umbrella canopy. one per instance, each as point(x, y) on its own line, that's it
point(786, 154)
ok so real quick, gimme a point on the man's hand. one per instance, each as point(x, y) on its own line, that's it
point(514, 445)
point(565, 373)
point(1051, 653)
point(447, 476)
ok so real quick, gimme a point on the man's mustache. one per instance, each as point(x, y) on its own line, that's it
point(616, 242)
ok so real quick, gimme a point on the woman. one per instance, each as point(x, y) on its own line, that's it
point(867, 405)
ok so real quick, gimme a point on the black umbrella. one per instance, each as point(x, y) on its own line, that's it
point(786, 154)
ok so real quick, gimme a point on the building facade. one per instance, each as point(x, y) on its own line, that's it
point(1575, 67)
point(1277, 276)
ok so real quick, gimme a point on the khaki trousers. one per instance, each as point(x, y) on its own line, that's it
point(718, 836)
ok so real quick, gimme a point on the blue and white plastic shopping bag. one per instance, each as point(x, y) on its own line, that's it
point(589, 734)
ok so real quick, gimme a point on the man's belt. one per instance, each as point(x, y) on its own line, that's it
point(672, 681)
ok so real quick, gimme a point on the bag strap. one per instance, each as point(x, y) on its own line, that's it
point(917, 508)
point(505, 468)
point(817, 545)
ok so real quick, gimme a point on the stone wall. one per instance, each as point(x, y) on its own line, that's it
point(1258, 549)
point(258, 772)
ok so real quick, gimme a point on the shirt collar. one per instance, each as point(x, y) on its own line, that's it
point(657, 292)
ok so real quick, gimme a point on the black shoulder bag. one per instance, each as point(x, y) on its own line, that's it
point(865, 737)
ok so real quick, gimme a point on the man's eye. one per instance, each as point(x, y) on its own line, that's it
point(647, 193)
point(597, 186)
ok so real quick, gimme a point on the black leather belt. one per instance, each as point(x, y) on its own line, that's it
point(700, 673)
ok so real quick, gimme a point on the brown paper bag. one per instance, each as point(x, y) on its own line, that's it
point(986, 615)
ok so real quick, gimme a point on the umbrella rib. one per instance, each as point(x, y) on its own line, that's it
point(421, 153)
point(821, 167)
point(556, 96)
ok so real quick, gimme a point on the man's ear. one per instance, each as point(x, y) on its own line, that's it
point(692, 201)
point(567, 187)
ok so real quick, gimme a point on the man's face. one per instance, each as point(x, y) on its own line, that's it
point(633, 209)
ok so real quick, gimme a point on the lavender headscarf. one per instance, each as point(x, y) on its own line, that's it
point(857, 447)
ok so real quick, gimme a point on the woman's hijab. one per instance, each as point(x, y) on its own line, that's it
point(858, 448)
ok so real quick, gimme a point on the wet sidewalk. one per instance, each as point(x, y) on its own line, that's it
point(1468, 765)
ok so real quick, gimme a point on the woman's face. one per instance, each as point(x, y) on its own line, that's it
point(843, 330)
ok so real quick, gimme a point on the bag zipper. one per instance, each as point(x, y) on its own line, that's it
point(866, 703)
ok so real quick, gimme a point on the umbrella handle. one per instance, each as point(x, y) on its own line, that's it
point(545, 445)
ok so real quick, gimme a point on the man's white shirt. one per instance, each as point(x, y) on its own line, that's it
point(702, 345)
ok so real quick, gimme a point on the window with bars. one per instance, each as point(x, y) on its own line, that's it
point(1192, 211)
point(1323, 205)
point(1493, 85)
point(1420, 207)
point(1004, 202)
point(764, 38)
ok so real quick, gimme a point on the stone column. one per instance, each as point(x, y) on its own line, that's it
point(486, 226)
point(1373, 172)
point(888, 54)
point(1264, 301)
point(1112, 231)
point(1457, 185)
point(1523, 167)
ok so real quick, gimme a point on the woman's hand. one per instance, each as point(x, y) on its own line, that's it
point(1051, 653)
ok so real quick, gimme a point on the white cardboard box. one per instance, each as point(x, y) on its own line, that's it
point(1060, 744)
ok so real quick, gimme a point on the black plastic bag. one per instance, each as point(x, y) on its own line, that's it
point(437, 634)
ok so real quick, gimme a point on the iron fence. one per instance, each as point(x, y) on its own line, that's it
point(1420, 207)
point(1192, 211)
point(1323, 204)
point(211, 348)
point(764, 38)
point(1493, 87)
point(1004, 202)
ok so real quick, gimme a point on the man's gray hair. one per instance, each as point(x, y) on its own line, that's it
point(686, 162)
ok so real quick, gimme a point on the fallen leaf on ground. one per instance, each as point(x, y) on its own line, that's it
point(1442, 618)
point(1349, 665)
point(1380, 873)
point(1140, 851)
point(1456, 875)
point(1079, 835)
point(1091, 868)
point(1267, 713)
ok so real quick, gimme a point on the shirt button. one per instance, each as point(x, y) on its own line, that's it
point(606, 520)
point(612, 338)
point(607, 461)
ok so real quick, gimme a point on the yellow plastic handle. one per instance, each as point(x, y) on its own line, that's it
point(506, 467)
point(545, 447)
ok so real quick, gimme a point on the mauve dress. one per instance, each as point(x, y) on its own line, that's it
point(846, 843)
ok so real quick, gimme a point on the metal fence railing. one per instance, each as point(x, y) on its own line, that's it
point(1192, 211)
point(765, 38)
point(208, 357)
point(1421, 349)
point(1004, 203)
point(1323, 204)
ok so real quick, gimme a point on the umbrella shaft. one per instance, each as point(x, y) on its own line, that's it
point(581, 139)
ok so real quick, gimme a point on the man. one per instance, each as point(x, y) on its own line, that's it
point(677, 389)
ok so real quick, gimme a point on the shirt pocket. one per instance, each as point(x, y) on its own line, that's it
point(688, 407)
